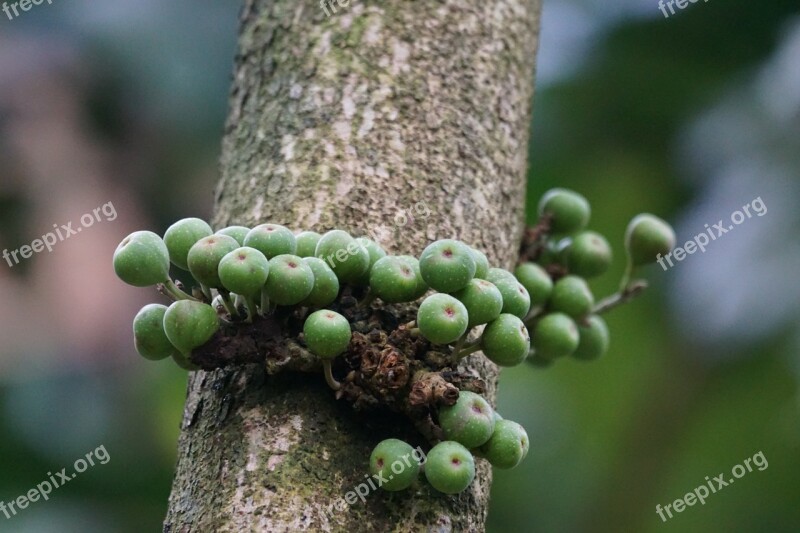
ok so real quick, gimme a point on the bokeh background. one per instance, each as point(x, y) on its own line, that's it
point(689, 117)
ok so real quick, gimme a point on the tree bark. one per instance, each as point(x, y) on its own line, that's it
point(407, 121)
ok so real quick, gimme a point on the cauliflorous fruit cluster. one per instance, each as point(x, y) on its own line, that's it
point(261, 279)
point(471, 427)
point(558, 258)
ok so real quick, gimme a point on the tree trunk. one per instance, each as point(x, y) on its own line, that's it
point(406, 121)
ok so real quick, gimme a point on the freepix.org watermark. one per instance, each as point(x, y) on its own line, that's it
point(712, 486)
point(24, 5)
point(325, 4)
point(373, 482)
point(61, 233)
point(680, 4)
point(54, 481)
point(713, 232)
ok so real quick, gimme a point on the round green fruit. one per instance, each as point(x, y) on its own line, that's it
point(483, 301)
point(589, 255)
point(442, 319)
point(373, 249)
point(449, 467)
point(506, 341)
point(183, 361)
point(142, 259)
point(148, 333)
point(470, 421)
point(536, 281)
point(181, 236)
point(447, 265)
point(204, 258)
point(422, 287)
point(648, 237)
point(290, 280)
point(394, 280)
point(237, 232)
point(594, 339)
point(244, 271)
point(375, 253)
point(271, 240)
point(496, 275)
point(190, 324)
point(307, 243)
point(569, 211)
point(327, 333)
point(507, 446)
point(326, 284)
point(554, 336)
point(516, 300)
point(347, 258)
point(481, 263)
point(394, 461)
point(572, 296)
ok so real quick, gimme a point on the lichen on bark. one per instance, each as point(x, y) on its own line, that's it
point(347, 121)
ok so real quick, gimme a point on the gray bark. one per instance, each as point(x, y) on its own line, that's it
point(419, 108)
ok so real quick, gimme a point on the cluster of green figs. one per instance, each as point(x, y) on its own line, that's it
point(471, 428)
point(251, 271)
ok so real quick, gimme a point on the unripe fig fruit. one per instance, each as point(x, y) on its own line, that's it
point(481, 263)
point(148, 333)
point(307, 243)
point(483, 301)
point(536, 281)
point(470, 421)
point(569, 211)
point(594, 339)
point(373, 249)
point(394, 461)
point(442, 319)
point(589, 255)
point(422, 287)
point(237, 232)
point(142, 259)
point(181, 236)
point(375, 252)
point(495, 275)
point(244, 271)
point(271, 240)
point(447, 265)
point(647, 237)
point(190, 324)
point(183, 361)
point(555, 335)
point(449, 467)
point(506, 341)
point(394, 280)
point(347, 258)
point(507, 446)
point(290, 280)
point(516, 300)
point(327, 333)
point(571, 295)
point(326, 284)
point(204, 258)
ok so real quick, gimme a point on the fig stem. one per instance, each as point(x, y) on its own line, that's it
point(175, 292)
point(332, 383)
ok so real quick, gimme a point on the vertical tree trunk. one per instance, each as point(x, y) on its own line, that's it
point(406, 120)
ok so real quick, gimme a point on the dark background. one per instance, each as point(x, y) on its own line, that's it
point(690, 117)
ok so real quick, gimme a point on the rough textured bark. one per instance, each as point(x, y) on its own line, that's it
point(404, 120)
